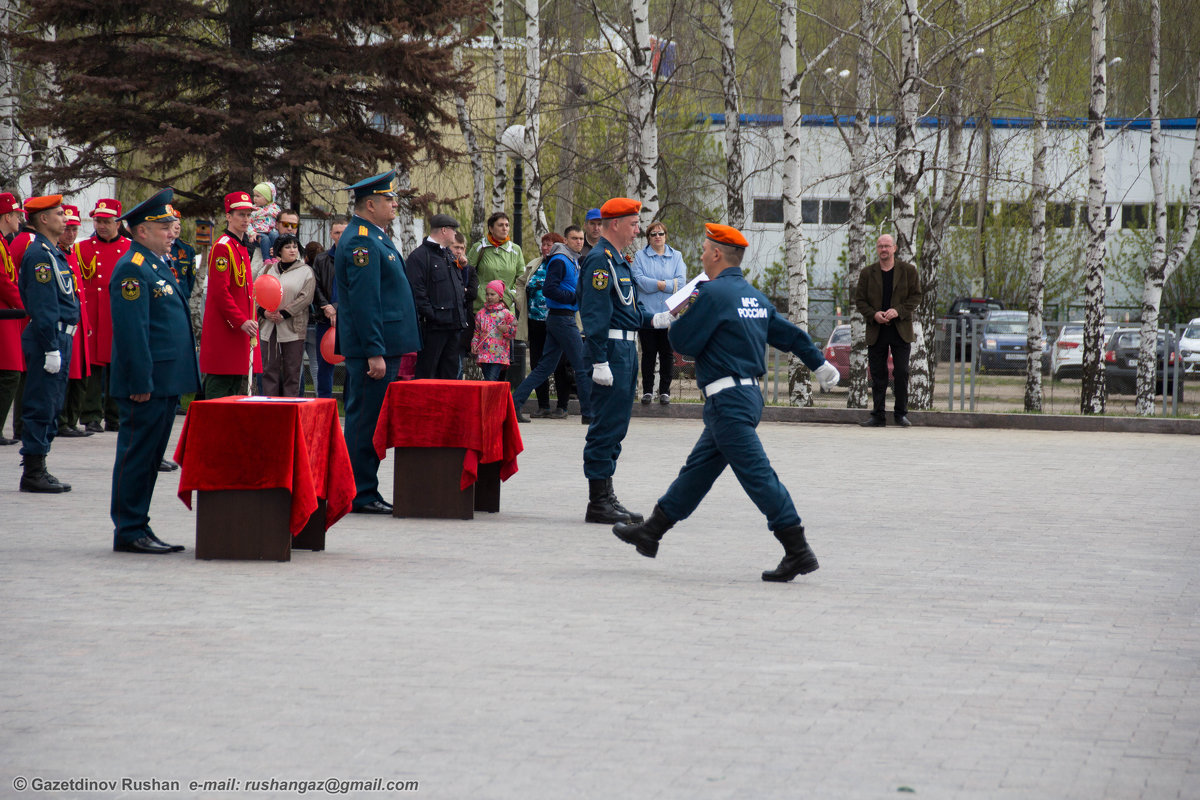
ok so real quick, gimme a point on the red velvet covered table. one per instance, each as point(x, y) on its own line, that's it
point(267, 467)
point(454, 441)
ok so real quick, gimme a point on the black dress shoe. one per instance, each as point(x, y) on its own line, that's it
point(167, 466)
point(112, 427)
point(585, 419)
point(902, 422)
point(373, 507)
point(4, 441)
point(143, 545)
point(71, 432)
point(94, 427)
point(174, 548)
point(874, 422)
point(522, 416)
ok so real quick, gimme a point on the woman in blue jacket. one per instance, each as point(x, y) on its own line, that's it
point(659, 272)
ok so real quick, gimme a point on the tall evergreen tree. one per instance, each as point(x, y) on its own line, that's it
point(213, 96)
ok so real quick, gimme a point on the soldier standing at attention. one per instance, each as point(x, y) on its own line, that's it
point(12, 363)
point(376, 325)
point(154, 362)
point(97, 255)
point(611, 318)
point(48, 292)
point(183, 258)
point(230, 332)
point(727, 325)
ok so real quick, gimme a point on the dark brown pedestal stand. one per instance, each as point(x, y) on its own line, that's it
point(252, 524)
point(426, 484)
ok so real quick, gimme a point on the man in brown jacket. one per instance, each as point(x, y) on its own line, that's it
point(888, 294)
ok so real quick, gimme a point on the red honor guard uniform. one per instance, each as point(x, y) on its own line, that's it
point(96, 259)
point(224, 346)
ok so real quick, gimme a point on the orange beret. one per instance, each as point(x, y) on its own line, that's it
point(619, 207)
point(9, 203)
point(107, 207)
point(72, 214)
point(723, 234)
point(236, 200)
point(44, 203)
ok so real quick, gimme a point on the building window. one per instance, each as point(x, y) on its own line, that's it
point(1060, 215)
point(810, 212)
point(880, 211)
point(835, 212)
point(1135, 215)
point(768, 210)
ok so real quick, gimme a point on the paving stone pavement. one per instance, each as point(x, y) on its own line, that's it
point(998, 614)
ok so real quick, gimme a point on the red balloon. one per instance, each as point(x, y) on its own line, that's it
point(267, 292)
point(327, 342)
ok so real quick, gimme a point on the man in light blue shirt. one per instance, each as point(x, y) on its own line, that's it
point(659, 272)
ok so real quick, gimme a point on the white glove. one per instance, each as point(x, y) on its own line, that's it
point(53, 362)
point(663, 319)
point(827, 375)
point(601, 374)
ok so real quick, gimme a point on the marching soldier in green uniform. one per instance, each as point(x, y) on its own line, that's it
point(376, 325)
point(154, 362)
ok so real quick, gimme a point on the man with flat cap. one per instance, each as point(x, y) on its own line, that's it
point(48, 293)
point(611, 315)
point(229, 335)
point(440, 297)
point(726, 326)
point(12, 363)
point(154, 362)
point(376, 325)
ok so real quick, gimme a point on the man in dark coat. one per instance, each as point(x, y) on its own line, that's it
point(888, 294)
point(438, 291)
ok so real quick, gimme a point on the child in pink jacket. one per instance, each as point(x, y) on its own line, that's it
point(495, 326)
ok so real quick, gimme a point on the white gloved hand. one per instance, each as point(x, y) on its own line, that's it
point(663, 319)
point(827, 375)
point(53, 362)
point(601, 374)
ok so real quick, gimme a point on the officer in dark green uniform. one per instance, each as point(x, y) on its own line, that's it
point(376, 325)
point(47, 289)
point(611, 317)
point(727, 325)
point(154, 362)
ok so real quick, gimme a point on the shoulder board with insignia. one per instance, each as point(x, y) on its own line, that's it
point(138, 258)
point(46, 247)
point(608, 253)
point(223, 240)
point(362, 230)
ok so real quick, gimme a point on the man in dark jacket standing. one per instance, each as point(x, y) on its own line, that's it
point(438, 292)
point(888, 294)
point(324, 309)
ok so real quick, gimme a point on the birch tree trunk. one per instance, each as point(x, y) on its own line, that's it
point(799, 387)
point(500, 98)
point(1092, 395)
point(735, 207)
point(1037, 236)
point(856, 245)
point(907, 176)
point(14, 151)
point(533, 97)
point(644, 104)
point(564, 211)
point(1162, 266)
point(474, 155)
point(404, 214)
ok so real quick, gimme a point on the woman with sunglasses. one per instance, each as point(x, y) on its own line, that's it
point(659, 272)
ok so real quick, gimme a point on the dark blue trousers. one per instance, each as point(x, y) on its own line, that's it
point(730, 419)
point(44, 394)
point(363, 401)
point(141, 445)
point(562, 338)
point(611, 409)
point(324, 377)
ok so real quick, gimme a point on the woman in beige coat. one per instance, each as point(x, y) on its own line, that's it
point(282, 332)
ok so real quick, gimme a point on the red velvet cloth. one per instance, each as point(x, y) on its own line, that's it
point(233, 443)
point(477, 415)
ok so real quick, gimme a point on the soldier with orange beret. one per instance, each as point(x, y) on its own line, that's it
point(727, 325)
point(81, 345)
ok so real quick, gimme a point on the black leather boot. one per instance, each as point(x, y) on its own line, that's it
point(633, 515)
point(600, 504)
point(798, 557)
point(645, 536)
point(36, 479)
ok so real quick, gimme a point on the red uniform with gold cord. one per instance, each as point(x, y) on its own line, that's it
point(82, 342)
point(10, 329)
point(224, 346)
point(96, 261)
